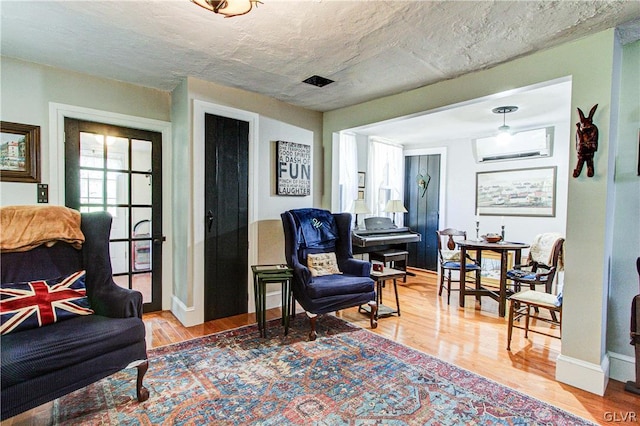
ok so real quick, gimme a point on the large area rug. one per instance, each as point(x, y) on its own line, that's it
point(347, 376)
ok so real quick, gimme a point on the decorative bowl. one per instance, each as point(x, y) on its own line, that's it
point(492, 238)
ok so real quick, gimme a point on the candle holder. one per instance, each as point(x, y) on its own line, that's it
point(477, 230)
point(502, 233)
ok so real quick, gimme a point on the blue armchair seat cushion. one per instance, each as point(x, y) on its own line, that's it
point(456, 265)
point(520, 275)
point(65, 345)
point(334, 285)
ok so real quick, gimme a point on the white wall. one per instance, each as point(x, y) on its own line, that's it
point(270, 204)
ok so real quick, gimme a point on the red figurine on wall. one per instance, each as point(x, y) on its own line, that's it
point(586, 142)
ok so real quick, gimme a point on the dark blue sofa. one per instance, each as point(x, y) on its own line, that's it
point(329, 293)
point(41, 364)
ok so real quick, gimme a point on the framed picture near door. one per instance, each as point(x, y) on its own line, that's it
point(293, 168)
point(19, 152)
point(518, 192)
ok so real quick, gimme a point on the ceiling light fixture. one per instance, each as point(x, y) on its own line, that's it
point(228, 8)
point(504, 131)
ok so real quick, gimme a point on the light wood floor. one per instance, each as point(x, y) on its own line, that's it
point(473, 338)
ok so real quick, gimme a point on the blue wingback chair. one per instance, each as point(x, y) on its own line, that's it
point(328, 293)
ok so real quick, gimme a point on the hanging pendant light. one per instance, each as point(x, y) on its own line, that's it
point(228, 8)
point(504, 131)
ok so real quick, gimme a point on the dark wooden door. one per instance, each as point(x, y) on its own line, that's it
point(226, 216)
point(423, 205)
point(119, 170)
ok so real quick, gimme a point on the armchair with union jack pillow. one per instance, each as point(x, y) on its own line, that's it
point(64, 322)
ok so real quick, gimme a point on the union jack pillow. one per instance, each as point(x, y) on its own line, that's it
point(36, 303)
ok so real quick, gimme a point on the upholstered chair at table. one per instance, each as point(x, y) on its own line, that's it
point(313, 238)
point(449, 257)
point(540, 269)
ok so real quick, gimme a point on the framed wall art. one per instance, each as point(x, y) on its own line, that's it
point(19, 152)
point(361, 179)
point(520, 192)
point(293, 168)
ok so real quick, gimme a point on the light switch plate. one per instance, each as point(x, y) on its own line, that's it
point(43, 193)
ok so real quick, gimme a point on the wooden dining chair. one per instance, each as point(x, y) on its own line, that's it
point(540, 269)
point(521, 306)
point(449, 257)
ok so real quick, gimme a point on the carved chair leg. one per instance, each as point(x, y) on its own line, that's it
point(141, 391)
point(313, 334)
point(374, 314)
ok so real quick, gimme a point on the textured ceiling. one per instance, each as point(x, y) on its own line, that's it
point(370, 48)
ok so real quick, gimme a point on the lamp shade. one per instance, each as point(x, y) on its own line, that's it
point(360, 207)
point(395, 206)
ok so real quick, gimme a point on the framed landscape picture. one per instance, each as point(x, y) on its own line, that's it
point(19, 152)
point(519, 192)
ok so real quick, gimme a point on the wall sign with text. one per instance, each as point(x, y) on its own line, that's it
point(293, 168)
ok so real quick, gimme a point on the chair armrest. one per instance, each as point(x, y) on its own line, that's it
point(302, 273)
point(357, 267)
point(116, 302)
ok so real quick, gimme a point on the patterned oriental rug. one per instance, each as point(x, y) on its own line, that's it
point(348, 375)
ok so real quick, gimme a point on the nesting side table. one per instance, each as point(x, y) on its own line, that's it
point(380, 278)
point(266, 274)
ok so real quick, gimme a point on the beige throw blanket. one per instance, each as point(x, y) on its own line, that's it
point(542, 249)
point(27, 227)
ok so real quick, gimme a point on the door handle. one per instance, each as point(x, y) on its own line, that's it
point(159, 240)
point(209, 220)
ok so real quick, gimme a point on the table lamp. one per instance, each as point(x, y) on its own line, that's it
point(359, 207)
point(395, 206)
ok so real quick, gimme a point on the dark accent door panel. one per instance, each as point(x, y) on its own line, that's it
point(423, 204)
point(226, 216)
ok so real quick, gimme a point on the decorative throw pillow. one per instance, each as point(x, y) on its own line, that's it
point(322, 264)
point(36, 303)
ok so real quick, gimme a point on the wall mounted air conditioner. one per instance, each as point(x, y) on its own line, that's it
point(523, 145)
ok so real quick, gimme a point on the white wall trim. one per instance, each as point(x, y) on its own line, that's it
point(442, 220)
point(623, 367)
point(186, 315)
point(584, 375)
point(57, 114)
point(196, 238)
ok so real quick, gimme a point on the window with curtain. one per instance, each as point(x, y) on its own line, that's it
point(348, 185)
point(385, 177)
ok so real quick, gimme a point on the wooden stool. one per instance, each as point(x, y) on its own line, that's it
point(394, 256)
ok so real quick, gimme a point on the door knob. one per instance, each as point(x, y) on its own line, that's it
point(209, 220)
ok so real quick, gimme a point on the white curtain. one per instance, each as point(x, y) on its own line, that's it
point(385, 177)
point(348, 184)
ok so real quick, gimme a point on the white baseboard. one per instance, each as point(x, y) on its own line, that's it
point(584, 375)
point(623, 367)
point(186, 315)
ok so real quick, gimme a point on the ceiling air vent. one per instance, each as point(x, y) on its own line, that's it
point(316, 80)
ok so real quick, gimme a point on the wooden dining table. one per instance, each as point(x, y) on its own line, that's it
point(503, 248)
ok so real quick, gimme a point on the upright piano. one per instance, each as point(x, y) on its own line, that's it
point(381, 233)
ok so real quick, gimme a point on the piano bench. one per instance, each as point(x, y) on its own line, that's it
point(392, 255)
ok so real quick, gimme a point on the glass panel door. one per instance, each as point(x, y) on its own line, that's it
point(115, 169)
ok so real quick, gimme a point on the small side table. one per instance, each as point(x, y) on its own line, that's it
point(396, 259)
point(266, 274)
point(380, 278)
